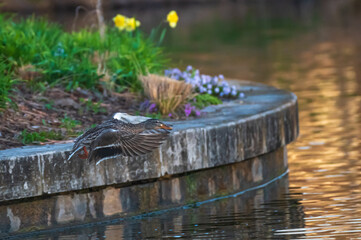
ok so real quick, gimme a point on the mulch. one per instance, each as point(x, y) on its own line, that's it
point(44, 111)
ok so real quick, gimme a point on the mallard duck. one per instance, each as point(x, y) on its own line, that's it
point(114, 138)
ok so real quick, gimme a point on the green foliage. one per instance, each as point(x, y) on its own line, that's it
point(74, 59)
point(204, 100)
point(135, 56)
point(6, 83)
point(69, 124)
point(48, 106)
point(42, 136)
point(25, 41)
point(157, 115)
point(91, 106)
point(31, 137)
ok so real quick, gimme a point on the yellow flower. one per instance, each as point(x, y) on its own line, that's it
point(132, 24)
point(172, 18)
point(120, 21)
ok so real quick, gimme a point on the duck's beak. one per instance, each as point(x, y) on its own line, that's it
point(166, 127)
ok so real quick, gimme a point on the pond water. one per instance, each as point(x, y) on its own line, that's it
point(312, 48)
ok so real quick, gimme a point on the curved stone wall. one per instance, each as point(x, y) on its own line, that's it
point(233, 135)
point(134, 199)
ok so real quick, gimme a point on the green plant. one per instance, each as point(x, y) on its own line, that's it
point(26, 40)
point(69, 124)
point(6, 83)
point(78, 59)
point(135, 56)
point(157, 115)
point(49, 106)
point(91, 106)
point(31, 137)
point(204, 100)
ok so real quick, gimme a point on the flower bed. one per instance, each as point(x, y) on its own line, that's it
point(55, 84)
point(212, 85)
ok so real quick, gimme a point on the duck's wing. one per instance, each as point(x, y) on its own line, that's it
point(90, 135)
point(112, 143)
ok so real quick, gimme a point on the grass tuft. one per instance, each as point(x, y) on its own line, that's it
point(28, 72)
point(167, 93)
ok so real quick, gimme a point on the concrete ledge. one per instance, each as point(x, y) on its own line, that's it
point(267, 119)
point(124, 201)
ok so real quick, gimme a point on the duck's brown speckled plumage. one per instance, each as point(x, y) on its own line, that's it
point(114, 137)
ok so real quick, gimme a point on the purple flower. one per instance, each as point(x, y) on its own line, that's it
point(241, 95)
point(144, 105)
point(215, 80)
point(152, 107)
point(197, 79)
point(206, 79)
point(188, 109)
point(169, 115)
point(224, 84)
point(167, 72)
point(226, 90)
point(204, 83)
point(198, 113)
point(176, 71)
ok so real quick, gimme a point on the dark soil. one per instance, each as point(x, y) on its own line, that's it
point(65, 113)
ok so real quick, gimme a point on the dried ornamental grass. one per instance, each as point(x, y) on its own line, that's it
point(29, 72)
point(167, 93)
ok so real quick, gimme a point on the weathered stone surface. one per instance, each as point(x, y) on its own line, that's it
point(117, 201)
point(237, 130)
point(20, 177)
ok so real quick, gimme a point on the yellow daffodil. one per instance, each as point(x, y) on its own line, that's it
point(172, 18)
point(120, 21)
point(132, 24)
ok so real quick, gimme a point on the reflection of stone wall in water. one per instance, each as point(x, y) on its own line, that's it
point(254, 213)
point(240, 211)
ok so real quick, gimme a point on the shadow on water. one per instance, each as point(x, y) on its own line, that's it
point(312, 48)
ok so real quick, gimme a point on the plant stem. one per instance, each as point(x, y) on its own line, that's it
point(100, 19)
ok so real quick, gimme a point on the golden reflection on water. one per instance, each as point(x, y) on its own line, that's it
point(325, 162)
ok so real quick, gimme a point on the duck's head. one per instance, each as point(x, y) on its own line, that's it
point(153, 124)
